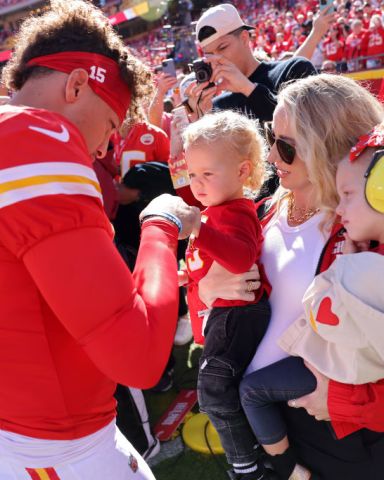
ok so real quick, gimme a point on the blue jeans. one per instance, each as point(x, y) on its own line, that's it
point(261, 391)
point(232, 335)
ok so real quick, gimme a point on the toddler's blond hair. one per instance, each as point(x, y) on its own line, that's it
point(238, 132)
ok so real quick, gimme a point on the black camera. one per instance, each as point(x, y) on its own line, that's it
point(203, 71)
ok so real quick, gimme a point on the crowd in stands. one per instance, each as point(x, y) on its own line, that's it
point(281, 26)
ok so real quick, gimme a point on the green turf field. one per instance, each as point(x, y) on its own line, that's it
point(185, 464)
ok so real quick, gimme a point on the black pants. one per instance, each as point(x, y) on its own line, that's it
point(355, 457)
point(232, 336)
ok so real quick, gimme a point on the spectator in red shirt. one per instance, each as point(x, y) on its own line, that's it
point(297, 39)
point(353, 46)
point(280, 46)
point(333, 47)
point(289, 24)
point(373, 44)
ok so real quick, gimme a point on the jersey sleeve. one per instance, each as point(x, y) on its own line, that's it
point(353, 407)
point(47, 183)
point(124, 323)
point(231, 230)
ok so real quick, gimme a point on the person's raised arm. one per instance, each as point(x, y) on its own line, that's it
point(124, 323)
point(321, 24)
point(156, 108)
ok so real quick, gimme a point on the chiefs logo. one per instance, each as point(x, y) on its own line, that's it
point(147, 139)
point(133, 463)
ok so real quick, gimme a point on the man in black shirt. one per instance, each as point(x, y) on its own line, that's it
point(246, 83)
point(241, 81)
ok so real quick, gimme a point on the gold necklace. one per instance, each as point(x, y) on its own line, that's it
point(303, 214)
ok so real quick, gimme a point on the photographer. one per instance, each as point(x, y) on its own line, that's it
point(241, 82)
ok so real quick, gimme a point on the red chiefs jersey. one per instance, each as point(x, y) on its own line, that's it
point(280, 47)
point(231, 235)
point(353, 45)
point(374, 42)
point(334, 50)
point(73, 320)
point(143, 143)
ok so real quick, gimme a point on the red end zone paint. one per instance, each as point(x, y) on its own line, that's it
point(175, 414)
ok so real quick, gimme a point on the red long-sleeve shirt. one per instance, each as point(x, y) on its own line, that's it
point(373, 42)
point(334, 50)
point(231, 235)
point(353, 45)
point(73, 320)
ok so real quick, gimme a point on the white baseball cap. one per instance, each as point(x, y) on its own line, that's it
point(222, 19)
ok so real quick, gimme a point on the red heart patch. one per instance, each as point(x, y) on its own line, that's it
point(325, 314)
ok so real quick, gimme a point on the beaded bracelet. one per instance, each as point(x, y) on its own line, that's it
point(168, 216)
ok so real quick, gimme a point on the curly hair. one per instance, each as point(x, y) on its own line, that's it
point(239, 133)
point(75, 25)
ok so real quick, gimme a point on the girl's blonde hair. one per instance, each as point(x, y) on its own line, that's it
point(328, 113)
point(237, 132)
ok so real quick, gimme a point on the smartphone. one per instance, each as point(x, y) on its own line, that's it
point(325, 3)
point(168, 67)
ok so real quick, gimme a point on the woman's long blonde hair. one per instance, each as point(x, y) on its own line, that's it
point(327, 114)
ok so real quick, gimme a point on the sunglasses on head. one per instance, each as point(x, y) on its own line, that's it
point(286, 151)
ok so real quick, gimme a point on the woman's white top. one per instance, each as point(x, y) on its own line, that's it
point(290, 256)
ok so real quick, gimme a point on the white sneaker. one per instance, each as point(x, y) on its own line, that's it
point(183, 331)
point(152, 450)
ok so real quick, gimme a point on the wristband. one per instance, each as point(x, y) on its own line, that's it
point(168, 216)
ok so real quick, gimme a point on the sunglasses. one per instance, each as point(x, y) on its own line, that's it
point(286, 151)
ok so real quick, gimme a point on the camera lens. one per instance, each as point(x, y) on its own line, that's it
point(201, 76)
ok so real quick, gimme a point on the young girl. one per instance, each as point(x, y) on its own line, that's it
point(342, 334)
point(225, 153)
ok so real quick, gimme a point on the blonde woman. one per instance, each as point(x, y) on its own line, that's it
point(316, 122)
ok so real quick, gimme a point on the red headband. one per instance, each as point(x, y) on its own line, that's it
point(104, 76)
point(375, 138)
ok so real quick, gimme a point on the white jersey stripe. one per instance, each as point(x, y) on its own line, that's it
point(46, 168)
point(54, 188)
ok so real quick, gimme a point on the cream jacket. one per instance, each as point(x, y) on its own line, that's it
point(342, 330)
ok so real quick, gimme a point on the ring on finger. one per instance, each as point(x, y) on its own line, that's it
point(252, 285)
